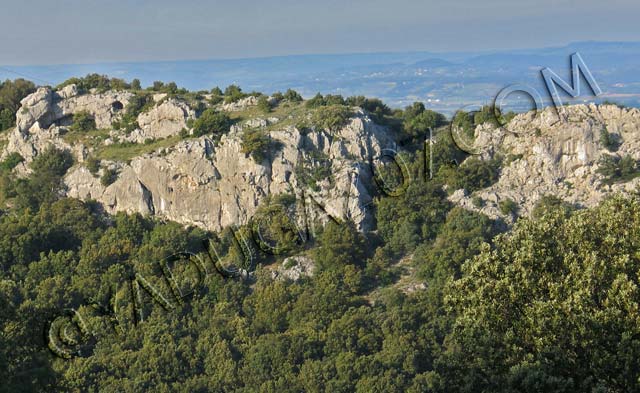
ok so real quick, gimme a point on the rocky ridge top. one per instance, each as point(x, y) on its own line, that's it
point(546, 156)
point(199, 181)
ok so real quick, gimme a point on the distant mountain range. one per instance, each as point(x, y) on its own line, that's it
point(444, 81)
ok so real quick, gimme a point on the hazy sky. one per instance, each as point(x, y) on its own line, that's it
point(88, 31)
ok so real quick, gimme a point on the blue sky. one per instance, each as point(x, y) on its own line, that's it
point(89, 31)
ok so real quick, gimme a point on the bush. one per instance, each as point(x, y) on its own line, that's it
point(138, 103)
point(233, 93)
point(109, 177)
point(477, 202)
point(315, 101)
point(417, 122)
point(12, 160)
point(93, 165)
point(99, 82)
point(331, 117)
point(292, 96)
point(474, 174)
point(257, 143)
point(211, 122)
point(264, 105)
point(608, 141)
point(11, 93)
point(83, 121)
point(616, 169)
point(508, 206)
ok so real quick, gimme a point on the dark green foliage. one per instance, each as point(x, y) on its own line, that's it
point(274, 228)
point(11, 93)
point(474, 174)
point(616, 169)
point(315, 101)
point(551, 309)
point(609, 141)
point(83, 121)
point(314, 167)
point(550, 204)
point(45, 182)
point(11, 161)
point(340, 244)
point(99, 82)
point(233, 93)
point(93, 165)
point(331, 117)
point(259, 144)
point(138, 103)
point(477, 201)
point(109, 176)
point(374, 106)
point(211, 122)
point(264, 105)
point(135, 84)
point(417, 121)
point(460, 239)
point(292, 96)
point(508, 207)
point(414, 217)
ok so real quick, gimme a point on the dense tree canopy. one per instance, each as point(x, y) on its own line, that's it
point(434, 299)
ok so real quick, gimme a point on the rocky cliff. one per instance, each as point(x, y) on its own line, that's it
point(546, 156)
point(214, 184)
point(197, 181)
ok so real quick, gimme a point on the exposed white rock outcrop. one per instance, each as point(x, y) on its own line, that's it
point(199, 182)
point(546, 156)
point(294, 268)
point(215, 186)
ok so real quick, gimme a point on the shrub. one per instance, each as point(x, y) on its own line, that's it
point(615, 169)
point(477, 202)
point(474, 174)
point(315, 167)
point(292, 96)
point(331, 117)
point(11, 93)
point(93, 165)
point(83, 121)
point(109, 176)
point(257, 143)
point(316, 101)
point(12, 160)
point(99, 82)
point(508, 206)
point(211, 122)
point(137, 104)
point(233, 93)
point(417, 122)
point(264, 105)
point(607, 140)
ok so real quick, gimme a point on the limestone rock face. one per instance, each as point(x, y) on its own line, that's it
point(547, 156)
point(166, 119)
point(199, 182)
point(47, 107)
point(241, 104)
point(215, 186)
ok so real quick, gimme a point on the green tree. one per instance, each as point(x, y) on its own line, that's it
point(11, 93)
point(83, 121)
point(331, 117)
point(551, 308)
point(259, 145)
point(211, 122)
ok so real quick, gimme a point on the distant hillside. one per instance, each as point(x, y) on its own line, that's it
point(444, 81)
